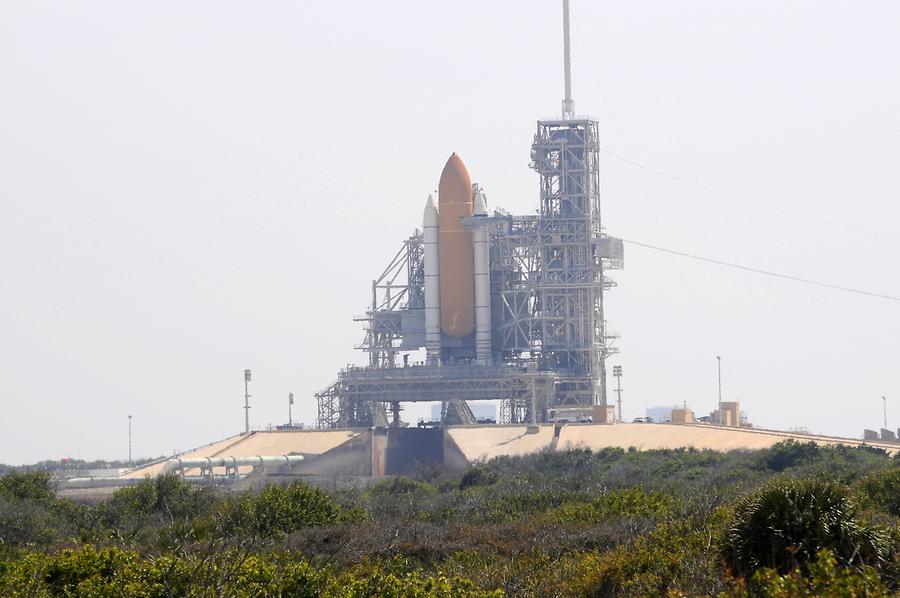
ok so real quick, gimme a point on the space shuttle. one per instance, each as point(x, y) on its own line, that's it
point(457, 266)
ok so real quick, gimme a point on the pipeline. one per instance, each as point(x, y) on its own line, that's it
point(207, 463)
point(179, 465)
point(92, 482)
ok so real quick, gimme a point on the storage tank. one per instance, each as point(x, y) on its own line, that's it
point(456, 249)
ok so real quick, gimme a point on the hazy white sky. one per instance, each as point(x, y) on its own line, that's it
point(189, 189)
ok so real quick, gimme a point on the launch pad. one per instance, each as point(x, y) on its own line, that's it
point(507, 308)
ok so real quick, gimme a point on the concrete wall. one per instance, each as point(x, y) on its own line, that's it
point(486, 442)
point(411, 449)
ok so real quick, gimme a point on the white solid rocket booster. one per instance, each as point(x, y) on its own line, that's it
point(482, 284)
point(432, 284)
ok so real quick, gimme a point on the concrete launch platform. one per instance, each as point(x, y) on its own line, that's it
point(370, 452)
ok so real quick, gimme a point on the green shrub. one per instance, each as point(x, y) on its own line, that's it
point(115, 572)
point(478, 476)
point(626, 503)
point(278, 510)
point(165, 507)
point(169, 496)
point(784, 525)
point(25, 523)
point(789, 453)
point(400, 485)
point(507, 505)
point(673, 557)
point(393, 582)
point(32, 485)
point(824, 577)
point(882, 491)
point(530, 572)
point(398, 498)
point(30, 513)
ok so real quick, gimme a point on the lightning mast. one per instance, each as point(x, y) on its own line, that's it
point(568, 110)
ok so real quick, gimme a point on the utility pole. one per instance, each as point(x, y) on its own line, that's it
point(617, 372)
point(246, 401)
point(721, 414)
point(290, 403)
point(129, 440)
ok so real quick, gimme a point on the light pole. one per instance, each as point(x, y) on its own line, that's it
point(290, 403)
point(246, 401)
point(721, 415)
point(129, 440)
point(617, 372)
point(884, 400)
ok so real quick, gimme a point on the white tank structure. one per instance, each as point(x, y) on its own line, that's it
point(432, 283)
point(482, 283)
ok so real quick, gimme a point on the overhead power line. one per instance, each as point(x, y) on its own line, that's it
point(753, 202)
point(764, 272)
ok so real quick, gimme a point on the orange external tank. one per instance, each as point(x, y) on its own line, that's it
point(456, 250)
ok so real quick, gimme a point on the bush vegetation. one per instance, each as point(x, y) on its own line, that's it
point(795, 520)
point(785, 525)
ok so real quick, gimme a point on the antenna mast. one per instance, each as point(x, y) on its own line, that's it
point(567, 109)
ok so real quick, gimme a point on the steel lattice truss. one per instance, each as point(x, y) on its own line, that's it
point(400, 287)
point(524, 395)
